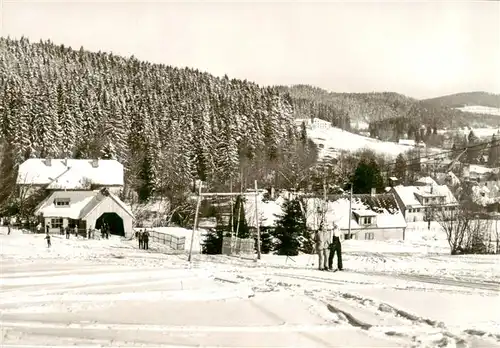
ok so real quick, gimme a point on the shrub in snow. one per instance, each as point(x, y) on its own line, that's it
point(289, 229)
point(212, 244)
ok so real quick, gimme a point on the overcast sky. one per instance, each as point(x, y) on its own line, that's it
point(421, 49)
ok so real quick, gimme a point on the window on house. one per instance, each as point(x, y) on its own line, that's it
point(368, 220)
point(56, 223)
point(369, 236)
point(61, 202)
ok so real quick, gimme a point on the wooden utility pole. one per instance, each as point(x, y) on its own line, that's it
point(350, 210)
point(325, 204)
point(257, 220)
point(198, 203)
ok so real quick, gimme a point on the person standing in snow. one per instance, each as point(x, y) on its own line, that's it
point(139, 238)
point(47, 237)
point(8, 228)
point(336, 246)
point(145, 240)
point(67, 232)
point(39, 228)
point(47, 227)
point(322, 240)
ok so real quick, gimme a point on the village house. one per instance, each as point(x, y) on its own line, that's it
point(69, 174)
point(313, 123)
point(426, 196)
point(81, 193)
point(85, 210)
point(487, 190)
point(373, 216)
point(478, 173)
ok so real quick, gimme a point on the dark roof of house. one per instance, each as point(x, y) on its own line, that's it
point(377, 202)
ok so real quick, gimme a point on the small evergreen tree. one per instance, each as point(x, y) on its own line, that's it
point(212, 245)
point(266, 241)
point(306, 242)
point(367, 176)
point(494, 152)
point(289, 229)
point(400, 167)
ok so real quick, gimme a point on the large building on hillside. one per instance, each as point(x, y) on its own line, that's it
point(373, 216)
point(69, 174)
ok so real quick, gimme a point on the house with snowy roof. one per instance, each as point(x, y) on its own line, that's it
point(371, 217)
point(415, 202)
point(82, 194)
point(69, 174)
point(478, 173)
point(85, 210)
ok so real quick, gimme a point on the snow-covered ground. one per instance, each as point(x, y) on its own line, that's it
point(479, 109)
point(479, 132)
point(331, 140)
point(109, 293)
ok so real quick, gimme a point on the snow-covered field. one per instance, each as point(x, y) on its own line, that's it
point(479, 109)
point(332, 140)
point(479, 132)
point(109, 293)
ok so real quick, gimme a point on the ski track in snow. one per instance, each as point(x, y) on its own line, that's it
point(222, 301)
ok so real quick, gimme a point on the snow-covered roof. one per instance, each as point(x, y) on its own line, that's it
point(70, 174)
point(408, 194)
point(383, 206)
point(81, 204)
point(408, 142)
point(426, 180)
point(477, 169)
point(78, 201)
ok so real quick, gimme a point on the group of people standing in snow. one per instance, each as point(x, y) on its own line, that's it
point(143, 238)
point(327, 242)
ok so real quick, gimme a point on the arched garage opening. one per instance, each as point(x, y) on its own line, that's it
point(114, 221)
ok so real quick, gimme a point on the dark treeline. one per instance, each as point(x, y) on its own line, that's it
point(168, 126)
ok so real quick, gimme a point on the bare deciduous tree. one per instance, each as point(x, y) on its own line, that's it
point(464, 230)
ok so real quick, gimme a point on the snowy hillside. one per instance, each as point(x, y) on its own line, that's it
point(479, 132)
point(109, 293)
point(479, 109)
point(331, 140)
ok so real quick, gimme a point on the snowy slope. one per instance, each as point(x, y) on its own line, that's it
point(109, 293)
point(479, 109)
point(331, 140)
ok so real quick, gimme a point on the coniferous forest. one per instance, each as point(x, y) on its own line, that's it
point(168, 126)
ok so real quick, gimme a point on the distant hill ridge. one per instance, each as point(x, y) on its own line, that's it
point(464, 99)
point(393, 113)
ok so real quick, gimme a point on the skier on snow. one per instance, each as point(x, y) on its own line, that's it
point(47, 237)
point(335, 247)
point(322, 239)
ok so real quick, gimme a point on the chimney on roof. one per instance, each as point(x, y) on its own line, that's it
point(95, 162)
point(48, 162)
point(65, 162)
point(373, 191)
